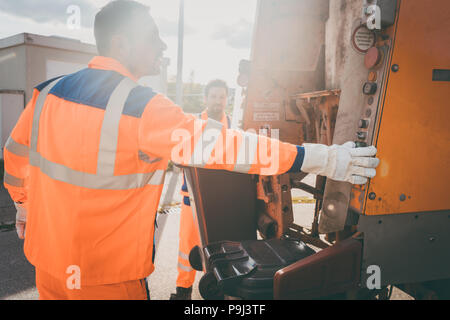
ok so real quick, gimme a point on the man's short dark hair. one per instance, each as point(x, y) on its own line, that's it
point(116, 17)
point(215, 84)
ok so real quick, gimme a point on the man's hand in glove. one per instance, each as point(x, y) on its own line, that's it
point(341, 163)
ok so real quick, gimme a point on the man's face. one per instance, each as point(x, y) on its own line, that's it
point(147, 48)
point(216, 101)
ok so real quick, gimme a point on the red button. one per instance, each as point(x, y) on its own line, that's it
point(372, 58)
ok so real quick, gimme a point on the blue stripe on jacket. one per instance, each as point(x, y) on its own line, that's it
point(93, 87)
point(184, 186)
point(296, 167)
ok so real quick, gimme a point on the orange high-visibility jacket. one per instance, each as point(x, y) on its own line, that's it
point(87, 158)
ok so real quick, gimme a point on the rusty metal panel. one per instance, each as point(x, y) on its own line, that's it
point(294, 32)
point(371, 111)
point(363, 88)
point(352, 100)
point(318, 111)
point(276, 202)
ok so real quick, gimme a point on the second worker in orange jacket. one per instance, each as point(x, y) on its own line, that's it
point(216, 94)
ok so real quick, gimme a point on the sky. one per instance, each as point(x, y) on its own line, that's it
point(218, 33)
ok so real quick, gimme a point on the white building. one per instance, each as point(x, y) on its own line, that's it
point(29, 59)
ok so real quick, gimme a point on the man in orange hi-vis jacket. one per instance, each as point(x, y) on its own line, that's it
point(85, 163)
point(216, 93)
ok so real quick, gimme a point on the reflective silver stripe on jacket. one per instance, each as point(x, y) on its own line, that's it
point(183, 267)
point(13, 181)
point(110, 127)
point(37, 114)
point(93, 181)
point(183, 255)
point(18, 149)
point(104, 177)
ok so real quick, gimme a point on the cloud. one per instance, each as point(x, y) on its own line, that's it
point(48, 11)
point(51, 11)
point(237, 36)
point(169, 28)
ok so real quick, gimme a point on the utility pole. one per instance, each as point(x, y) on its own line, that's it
point(179, 96)
point(175, 174)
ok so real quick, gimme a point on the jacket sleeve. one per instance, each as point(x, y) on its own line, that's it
point(16, 153)
point(165, 131)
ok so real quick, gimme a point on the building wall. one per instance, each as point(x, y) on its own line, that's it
point(13, 68)
point(38, 57)
point(11, 106)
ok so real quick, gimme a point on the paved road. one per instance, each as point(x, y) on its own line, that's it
point(16, 274)
point(7, 210)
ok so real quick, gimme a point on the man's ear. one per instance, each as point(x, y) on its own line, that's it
point(120, 46)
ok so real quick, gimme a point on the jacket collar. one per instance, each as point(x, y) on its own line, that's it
point(224, 121)
point(107, 63)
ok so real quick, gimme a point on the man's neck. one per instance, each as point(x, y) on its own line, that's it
point(215, 116)
point(125, 63)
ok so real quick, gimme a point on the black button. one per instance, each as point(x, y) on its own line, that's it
point(360, 144)
point(370, 88)
point(362, 135)
point(363, 124)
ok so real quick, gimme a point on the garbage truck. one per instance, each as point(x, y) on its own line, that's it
point(376, 72)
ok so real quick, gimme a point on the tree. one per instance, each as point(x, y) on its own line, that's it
point(192, 94)
point(193, 101)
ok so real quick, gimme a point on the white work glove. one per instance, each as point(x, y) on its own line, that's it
point(341, 163)
point(21, 220)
